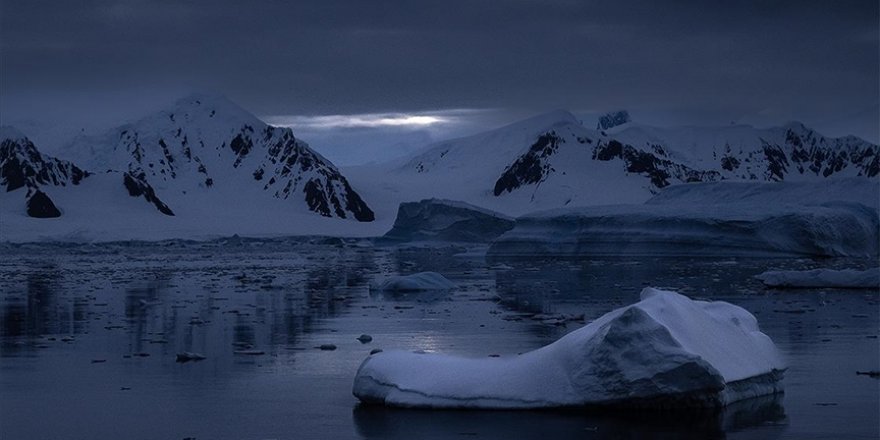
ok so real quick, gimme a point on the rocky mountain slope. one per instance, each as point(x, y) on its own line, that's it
point(208, 144)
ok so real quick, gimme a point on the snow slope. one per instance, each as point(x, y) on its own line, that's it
point(664, 351)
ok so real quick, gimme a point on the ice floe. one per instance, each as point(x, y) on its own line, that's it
point(818, 278)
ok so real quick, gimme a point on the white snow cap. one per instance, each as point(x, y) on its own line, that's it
point(664, 350)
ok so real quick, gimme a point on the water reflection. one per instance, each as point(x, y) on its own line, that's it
point(390, 423)
point(31, 310)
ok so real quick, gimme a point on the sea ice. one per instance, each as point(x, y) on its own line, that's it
point(846, 278)
point(666, 351)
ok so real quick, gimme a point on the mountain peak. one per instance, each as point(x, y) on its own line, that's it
point(613, 119)
point(205, 106)
point(552, 117)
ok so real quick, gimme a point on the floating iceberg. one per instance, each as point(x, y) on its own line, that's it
point(666, 351)
point(414, 282)
point(846, 278)
point(737, 229)
point(447, 220)
point(835, 218)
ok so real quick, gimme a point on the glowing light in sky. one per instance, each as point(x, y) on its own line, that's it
point(369, 120)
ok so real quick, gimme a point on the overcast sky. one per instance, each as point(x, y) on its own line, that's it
point(484, 62)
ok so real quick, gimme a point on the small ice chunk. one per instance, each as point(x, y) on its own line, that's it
point(187, 356)
point(846, 278)
point(414, 282)
point(664, 351)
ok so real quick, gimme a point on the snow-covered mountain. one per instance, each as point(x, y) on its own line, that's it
point(30, 176)
point(552, 160)
point(22, 165)
point(203, 168)
point(24, 168)
point(207, 145)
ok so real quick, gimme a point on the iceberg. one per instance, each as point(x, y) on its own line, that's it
point(415, 282)
point(736, 229)
point(838, 218)
point(817, 278)
point(665, 351)
point(447, 220)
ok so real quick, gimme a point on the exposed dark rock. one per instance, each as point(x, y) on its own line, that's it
point(322, 199)
point(613, 119)
point(39, 205)
point(729, 163)
point(659, 170)
point(531, 167)
point(137, 186)
point(777, 163)
point(21, 164)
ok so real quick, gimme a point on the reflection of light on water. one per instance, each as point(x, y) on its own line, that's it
point(428, 342)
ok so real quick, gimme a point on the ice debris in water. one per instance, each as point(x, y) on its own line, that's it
point(414, 282)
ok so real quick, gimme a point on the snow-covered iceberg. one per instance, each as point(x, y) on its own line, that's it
point(736, 229)
point(817, 278)
point(447, 220)
point(666, 351)
point(414, 282)
point(833, 218)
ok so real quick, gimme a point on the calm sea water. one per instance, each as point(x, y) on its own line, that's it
point(90, 336)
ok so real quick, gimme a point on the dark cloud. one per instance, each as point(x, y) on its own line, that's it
point(700, 61)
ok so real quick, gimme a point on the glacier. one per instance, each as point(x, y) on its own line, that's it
point(665, 351)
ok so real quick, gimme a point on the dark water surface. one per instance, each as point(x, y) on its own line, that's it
point(90, 333)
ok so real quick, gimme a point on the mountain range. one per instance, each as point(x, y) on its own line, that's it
point(206, 166)
point(552, 160)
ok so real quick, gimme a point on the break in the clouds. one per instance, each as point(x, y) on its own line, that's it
point(372, 120)
point(377, 137)
point(688, 62)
